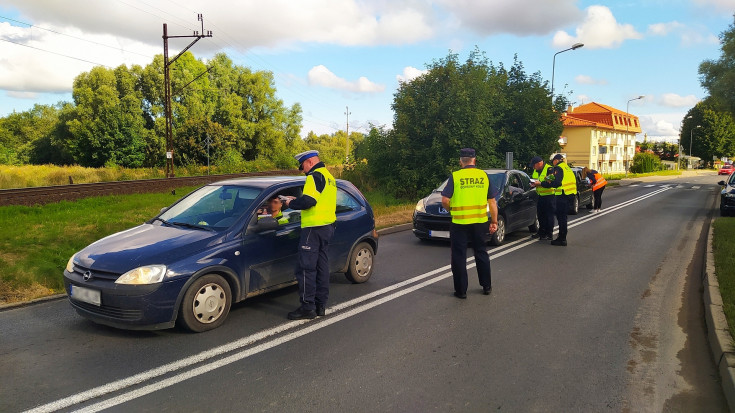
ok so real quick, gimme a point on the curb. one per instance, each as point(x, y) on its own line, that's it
point(3, 307)
point(718, 333)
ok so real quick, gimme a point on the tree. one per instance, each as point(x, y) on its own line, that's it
point(454, 105)
point(718, 76)
point(709, 132)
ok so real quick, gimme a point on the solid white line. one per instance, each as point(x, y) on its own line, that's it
point(648, 186)
point(252, 339)
point(696, 187)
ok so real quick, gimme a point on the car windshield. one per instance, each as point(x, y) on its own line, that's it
point(497, 180)
point(212, 207)
point(732, 180)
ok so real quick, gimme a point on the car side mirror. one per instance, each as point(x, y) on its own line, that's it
point(264, 224)
point(721, 183)
point(163, 210)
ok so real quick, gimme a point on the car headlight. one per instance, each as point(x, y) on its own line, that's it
point(70, 264)
point(421, 205)
point(729, 195)
point(148, 274)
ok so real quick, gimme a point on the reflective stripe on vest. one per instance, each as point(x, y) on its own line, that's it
point(540, 190)
point(600, 181)
point(469, 200)
point(324, 212)
point(568, 182)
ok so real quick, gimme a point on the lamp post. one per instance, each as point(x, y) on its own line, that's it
point(627, 123)
point(575, 46)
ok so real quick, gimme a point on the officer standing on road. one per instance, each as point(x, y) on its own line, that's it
point(544, 207)
point(468, 196)
point(565, 186)
point(318, 204)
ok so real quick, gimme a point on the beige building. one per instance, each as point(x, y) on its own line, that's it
point(599, 136)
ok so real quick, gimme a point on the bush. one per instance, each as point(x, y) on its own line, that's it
point(646, 162)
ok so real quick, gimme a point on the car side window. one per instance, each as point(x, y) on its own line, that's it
point(732, 179)
point(345, 202)
point(525, 181)
point(514, 185)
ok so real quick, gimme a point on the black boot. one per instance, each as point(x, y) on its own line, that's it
point(301, 314)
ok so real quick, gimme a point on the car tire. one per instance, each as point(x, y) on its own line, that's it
point(534, 227)
point(360, 267)
point(499, 236)
point(206, 304)
point(574, 207)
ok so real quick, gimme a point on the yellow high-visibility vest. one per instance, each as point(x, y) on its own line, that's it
point(469, 200)
point(324, 212)
point(568, 182)
point(540, 190)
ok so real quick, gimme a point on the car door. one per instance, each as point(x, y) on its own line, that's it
point(530, 199)
point(514, 193)
point(272, 253)
point(352, 224)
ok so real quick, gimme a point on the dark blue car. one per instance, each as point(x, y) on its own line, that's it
point(210, 249)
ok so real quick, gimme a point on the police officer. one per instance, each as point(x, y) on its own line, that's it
point(565, 186)
point(467, 195)
point(318, 204)
point(544, 207)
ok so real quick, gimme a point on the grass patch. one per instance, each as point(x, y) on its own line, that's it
point(616, 177)
point(723, 244)
point(36, 242)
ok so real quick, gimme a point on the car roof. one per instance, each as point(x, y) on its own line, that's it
point(263, 182)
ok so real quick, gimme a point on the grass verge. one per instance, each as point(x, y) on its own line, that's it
point(36, 242)
point(723, 244)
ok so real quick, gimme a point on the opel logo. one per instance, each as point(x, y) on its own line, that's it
point(87, 275)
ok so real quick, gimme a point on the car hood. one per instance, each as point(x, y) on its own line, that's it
point(433, 205)
point(144, 245)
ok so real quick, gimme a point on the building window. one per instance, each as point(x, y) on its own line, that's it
point(594, 150)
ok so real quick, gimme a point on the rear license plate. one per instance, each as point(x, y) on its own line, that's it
point(439, 234)
point(86, 294)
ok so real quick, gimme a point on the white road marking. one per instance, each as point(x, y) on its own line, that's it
point(696, 186)
point(649, 186)
point(309, 327)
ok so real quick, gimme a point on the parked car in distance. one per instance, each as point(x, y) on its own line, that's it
point(726, 169)
point(727, 196)
point(585, 195)
point(208, 250)
point(516, 208)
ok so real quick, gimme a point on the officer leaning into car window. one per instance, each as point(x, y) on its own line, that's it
point(468, 196)
point(318, 204)
point(544, 207)
point(565, 186)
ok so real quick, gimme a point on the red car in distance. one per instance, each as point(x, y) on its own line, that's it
point(726, 169)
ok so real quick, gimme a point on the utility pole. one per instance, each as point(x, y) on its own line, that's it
point(167, 88)
point(347, 144)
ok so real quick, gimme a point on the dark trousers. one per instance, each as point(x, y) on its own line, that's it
point(312, 272)
point(459, 235)
point(561, 208)
point(598, 198)
point(545, 214)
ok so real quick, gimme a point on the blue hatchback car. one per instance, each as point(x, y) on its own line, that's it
point(211, 248)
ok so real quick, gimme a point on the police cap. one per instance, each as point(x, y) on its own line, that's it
point(534, 161)
point(301, 157)
point(467, 153)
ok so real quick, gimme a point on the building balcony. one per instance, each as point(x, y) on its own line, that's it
point(603, 141)
point(609, 157)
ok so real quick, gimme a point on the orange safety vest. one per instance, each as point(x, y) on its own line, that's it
point(600, 181)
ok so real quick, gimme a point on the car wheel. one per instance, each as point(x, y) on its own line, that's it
point(574, 208)
point(534, 227)
point(499, 236)
point(360, 267)
point(206, 304)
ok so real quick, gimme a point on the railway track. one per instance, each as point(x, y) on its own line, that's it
point(48, 194)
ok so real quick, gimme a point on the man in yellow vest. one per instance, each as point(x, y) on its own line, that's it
point(468, 196)
point(544, 207)
point(318, 204)
point(565, 186)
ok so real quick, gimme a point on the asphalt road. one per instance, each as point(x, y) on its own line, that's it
point(613, 322)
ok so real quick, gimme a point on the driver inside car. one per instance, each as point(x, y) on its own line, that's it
point(273, 209)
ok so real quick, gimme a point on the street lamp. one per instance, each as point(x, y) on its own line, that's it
point(575, 46)
point(627, 123)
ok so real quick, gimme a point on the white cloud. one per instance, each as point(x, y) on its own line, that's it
point(321, 76)
point(662, 29)
point(520, 17)
point(410, 73)
point(22, 95)
point(588, 80)
point(659, 125)
point(719, 5)
point(599, 30)
point(673, 100)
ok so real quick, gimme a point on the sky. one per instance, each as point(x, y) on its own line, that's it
point(343, 60)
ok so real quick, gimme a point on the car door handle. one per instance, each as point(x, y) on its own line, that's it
point(285, 232)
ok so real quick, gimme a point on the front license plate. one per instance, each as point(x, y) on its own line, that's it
point(439, 234)
point(86, 294)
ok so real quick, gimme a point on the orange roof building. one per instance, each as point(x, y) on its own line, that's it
point(599, 136)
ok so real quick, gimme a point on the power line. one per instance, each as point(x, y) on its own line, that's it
point(58, 54)
point(75, 37)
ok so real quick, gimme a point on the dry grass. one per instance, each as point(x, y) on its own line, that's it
point(393, 215)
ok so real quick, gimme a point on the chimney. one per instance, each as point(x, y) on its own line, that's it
point(570, 109)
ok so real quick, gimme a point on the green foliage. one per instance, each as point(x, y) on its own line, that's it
point(708, 131)
point(646, 162)
point(723, 243)
point(718, 76)
point(454, 105)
